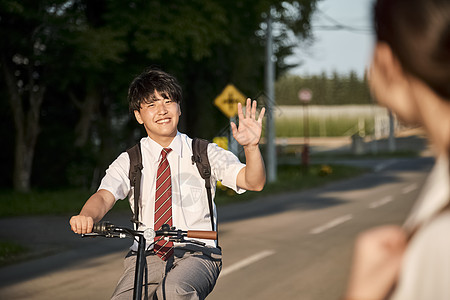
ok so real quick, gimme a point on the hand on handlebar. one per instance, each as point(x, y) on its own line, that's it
point(81, 224)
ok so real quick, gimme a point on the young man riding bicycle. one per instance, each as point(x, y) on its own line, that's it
point(172, 190)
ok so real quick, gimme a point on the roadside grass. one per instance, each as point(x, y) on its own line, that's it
point(11, 252)
point(294, 152)
point(379, 155)
point(45, 202)
point(70, 201)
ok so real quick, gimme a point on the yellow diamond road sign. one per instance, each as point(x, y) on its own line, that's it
point(228, 100)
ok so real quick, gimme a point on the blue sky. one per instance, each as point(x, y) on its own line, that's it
point(341, 50)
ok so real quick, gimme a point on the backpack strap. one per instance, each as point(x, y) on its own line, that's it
point(135, 178)
point(200, 158)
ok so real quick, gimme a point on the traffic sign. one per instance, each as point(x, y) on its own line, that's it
point(228, 100)
point(305, 95)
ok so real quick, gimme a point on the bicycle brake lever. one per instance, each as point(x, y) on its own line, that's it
point(183, 240)
point(92, 234)
point(196, 242)
point(177, 239)
point(106, 235)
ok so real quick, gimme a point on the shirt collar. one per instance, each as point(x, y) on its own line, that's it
point(155, 149)
point(177, 145)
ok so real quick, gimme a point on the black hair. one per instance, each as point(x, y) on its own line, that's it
point(418, 32)
point(142, 89)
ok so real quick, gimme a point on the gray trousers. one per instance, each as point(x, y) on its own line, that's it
point(191, 273)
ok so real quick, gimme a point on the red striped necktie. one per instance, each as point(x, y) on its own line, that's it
point(163, 205)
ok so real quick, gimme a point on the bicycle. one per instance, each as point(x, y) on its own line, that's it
point(108, 230)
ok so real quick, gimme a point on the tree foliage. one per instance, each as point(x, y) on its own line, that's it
point(337, 89)
point(66, 66)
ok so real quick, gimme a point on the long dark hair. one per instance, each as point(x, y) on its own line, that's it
point(418, 32)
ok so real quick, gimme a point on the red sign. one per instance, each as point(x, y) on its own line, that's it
point(305, 95)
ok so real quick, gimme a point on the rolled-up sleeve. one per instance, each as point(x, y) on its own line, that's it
point(225, 166)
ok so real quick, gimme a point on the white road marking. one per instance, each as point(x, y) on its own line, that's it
point(409, 188)
point(381, 202)
point(382, 166)
point(245, 262)
point(331, 224)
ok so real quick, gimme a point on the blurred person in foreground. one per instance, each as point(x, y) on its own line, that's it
point(410, 75)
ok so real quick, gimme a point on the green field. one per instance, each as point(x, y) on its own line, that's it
point(329, 121)
point(322, 127)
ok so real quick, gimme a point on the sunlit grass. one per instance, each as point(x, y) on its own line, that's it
point(321, 127)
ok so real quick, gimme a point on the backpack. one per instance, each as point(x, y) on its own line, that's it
point(199, 157)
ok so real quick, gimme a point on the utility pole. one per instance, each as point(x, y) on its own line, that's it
point(270, 103)
point(391, 139)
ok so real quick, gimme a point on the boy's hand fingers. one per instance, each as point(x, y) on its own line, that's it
point(233, 128)
point(81, 224)
point(248, 108)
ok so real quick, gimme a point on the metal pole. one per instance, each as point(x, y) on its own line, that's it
point(232, 143)
point(306, 123)
point(305, 151)
point(391, 140)
point(270, 104)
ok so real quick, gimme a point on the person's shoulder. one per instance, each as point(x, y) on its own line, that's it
point(432, 235)
point(426, 262)
point(184, 140)
point(438, 225)
point(121, 163)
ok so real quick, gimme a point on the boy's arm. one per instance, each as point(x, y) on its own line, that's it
point(93, 211)
point(253, 175)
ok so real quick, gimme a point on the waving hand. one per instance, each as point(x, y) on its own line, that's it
point(249, 131)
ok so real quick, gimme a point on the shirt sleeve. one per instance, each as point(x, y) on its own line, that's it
point(116, 178)
point(225, 166)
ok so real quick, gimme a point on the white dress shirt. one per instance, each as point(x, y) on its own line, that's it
point(190, 210)
point(425, 272)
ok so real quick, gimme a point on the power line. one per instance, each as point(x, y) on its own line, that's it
point(336, 25)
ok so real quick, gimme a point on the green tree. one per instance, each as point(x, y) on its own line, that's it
point(28, 37)
point(80, 55)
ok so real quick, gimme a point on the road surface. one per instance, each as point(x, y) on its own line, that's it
point(290, 246)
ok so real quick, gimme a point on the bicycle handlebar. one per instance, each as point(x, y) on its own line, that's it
point(107, 229)
point(199, 234)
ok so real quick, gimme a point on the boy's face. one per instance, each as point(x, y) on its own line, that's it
point(160, 119)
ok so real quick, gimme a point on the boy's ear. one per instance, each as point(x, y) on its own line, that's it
point(137, 115)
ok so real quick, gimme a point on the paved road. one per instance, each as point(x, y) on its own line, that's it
point(302, 249)
point(293, 246)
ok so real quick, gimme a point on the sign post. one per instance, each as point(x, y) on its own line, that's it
point(227, 102)
point(305, 96)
